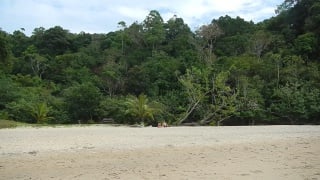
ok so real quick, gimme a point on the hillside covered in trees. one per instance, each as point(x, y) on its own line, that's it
point(228, 72)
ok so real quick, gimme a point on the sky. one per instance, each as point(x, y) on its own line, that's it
point(102, 16)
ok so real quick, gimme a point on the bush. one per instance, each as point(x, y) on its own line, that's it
point(114, 108)
point(4, 115)
point(59, 117)
point(83, 101)
point(19, 111)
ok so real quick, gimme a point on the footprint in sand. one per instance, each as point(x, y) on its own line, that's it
point(257, 171)
point(244, 174)
point(33, 153)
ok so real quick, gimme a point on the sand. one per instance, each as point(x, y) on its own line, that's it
point(104, 152)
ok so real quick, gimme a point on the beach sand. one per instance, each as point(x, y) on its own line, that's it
point(178, 153)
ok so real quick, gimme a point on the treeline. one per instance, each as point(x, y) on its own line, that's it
point(230, 72)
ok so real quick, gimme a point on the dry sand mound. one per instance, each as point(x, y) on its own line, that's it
point(102, 152)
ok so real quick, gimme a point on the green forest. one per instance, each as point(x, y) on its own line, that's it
point(228, 72)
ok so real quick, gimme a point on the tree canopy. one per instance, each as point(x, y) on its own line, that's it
point(228, 72)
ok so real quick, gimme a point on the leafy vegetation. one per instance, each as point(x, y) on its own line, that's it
point(228, 72)
point(141, 110)
point(10, 124)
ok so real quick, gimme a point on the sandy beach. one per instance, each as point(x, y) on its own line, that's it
point(105, 152)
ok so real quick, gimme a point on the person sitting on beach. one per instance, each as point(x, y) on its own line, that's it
point(164, 124)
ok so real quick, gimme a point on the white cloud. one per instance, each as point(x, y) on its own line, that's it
point(132, 13)
point(102, 16)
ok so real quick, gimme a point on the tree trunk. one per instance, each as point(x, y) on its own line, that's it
point(219, 121)
point(122, 46)
point(252, 122)
point(278, 74)
point(189, 111)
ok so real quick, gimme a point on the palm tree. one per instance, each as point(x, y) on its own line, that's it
point(40, 112)
point(141, 109)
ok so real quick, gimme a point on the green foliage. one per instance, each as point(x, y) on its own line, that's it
point(232, 45)
point(27, 104)
point(115, 108)
point(196, 83)
point(286, 5)
point(179, 38)
point(111, 78)
point(259, 42)
point(4, 50)
point(37, 63)
point(154, 29)
point(159, 72)
point(71, 67)
point(306, 44)
point(233, 26)
point(249, 102)
point(230, 71)
point(141, 110)
point(19, 42)
point(5, 53)
point(20, 111)
point(82, 40)
point(174, 104)
point(296, 103)
point(82, 101)
point(54, 41)
point(235, 38)
point(8, 91)
point(40, 112)
point(210, 92)
point(222, 104)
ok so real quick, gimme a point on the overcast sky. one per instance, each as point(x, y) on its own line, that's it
point(102, 16)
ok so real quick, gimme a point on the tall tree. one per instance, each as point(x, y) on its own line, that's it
point(259, 42)
point(38, 63)
point(19, 42)
point(306, 44)
point(222, 103)
point(179, 38)
point(196, 84)
point(153, 27)
point(5, 53)
point(122, 25)
point(209, 33)
point(54, 41)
